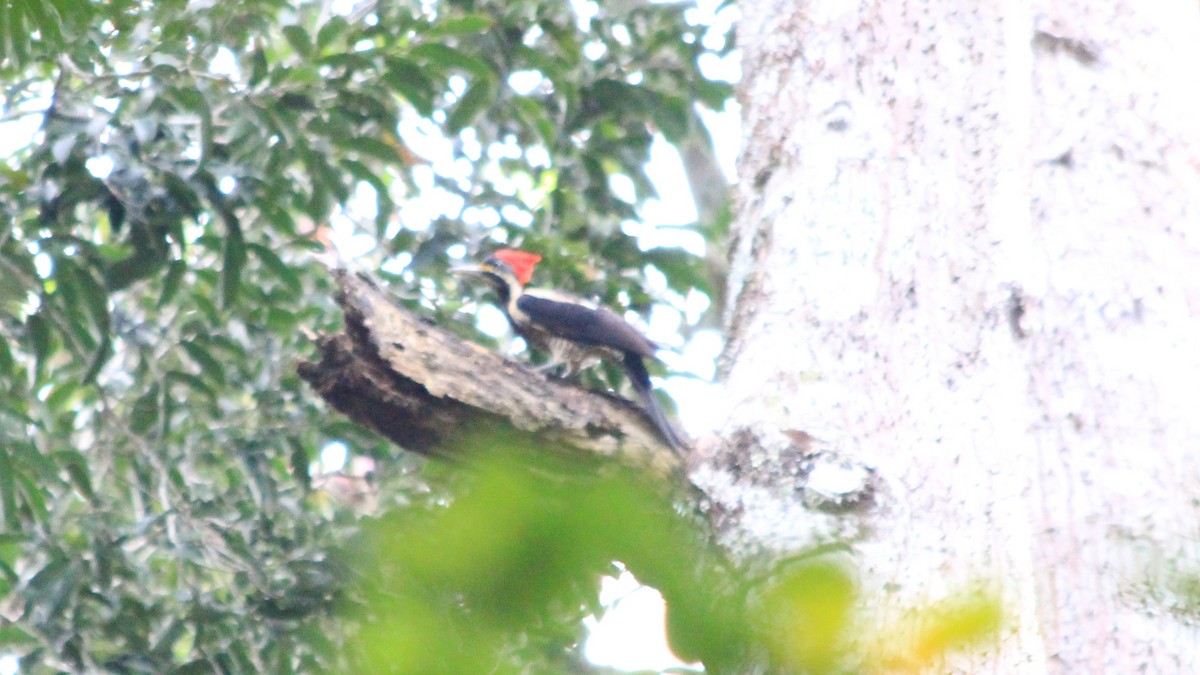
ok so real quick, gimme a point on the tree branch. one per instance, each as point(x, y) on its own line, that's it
point(422, 387)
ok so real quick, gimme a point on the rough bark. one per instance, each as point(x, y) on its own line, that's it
point(423, 387)
point(972, 226)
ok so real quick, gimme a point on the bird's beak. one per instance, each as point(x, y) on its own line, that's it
point(468, 271)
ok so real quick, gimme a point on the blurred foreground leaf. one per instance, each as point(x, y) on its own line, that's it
point(472, 587)
point(499, 580)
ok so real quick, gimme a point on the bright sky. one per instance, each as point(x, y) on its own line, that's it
point(632, 635)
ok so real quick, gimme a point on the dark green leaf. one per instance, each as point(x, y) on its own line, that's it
point(673, 115)
point(33, 498)
point(75, 13)
point(713, 94)
point(258, 66)
point(349, 62)
point(209, 365)
point(477, 97)
point(297, 37)
point(327, 182)
point(463, 25)
point(6, 359)
point(194, 383)
point(26, 455)
point(371, 147)
point(45, 19)
point(334, 28)
point(94, 300)
point(172, 282)
point(8, 492)
point(16, 33)
point(233, 255)
point(407, 79)
point(100, 356)
point(145, 412)
point(39, 333)
point(447, 57)
point(76, 466)
point(281, 270)
point(188, 98)
point(183, 194)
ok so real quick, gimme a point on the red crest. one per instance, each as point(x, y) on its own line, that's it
point(521, 262)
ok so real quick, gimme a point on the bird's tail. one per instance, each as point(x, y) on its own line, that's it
point(635, 368)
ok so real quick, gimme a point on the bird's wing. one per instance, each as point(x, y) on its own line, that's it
point(584, 324)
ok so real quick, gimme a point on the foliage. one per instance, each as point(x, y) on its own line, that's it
point(162, 238)
point(496, 581)
point(481, 585)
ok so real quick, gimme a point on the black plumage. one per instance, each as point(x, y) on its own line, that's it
point(585, 325)
point(570, 331)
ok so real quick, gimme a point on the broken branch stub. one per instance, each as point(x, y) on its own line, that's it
point(423, 387)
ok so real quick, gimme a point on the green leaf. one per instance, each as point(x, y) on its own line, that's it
point(16, 34)
point(34, 499)
point(100, 356)
point(297, 37)
point(280, 219)
point(171, 282)
point(60, 397)
point(326, 181)
point(14, 638)
point(8, 492)
point(76, 466)
point(682, 269)
point(448, 57)
point(371, 147)
point(463, 25)
point(145, 412)
point(258, 66)
point(713, 94)
point(194, 383)
point(673, 116)
point(282, 271)
point(47, 21)
point(334, 28)
point(6, 359)
point(54, 584)
point(534, 115)
point(27, 456)
point(183, 195)
point(209, 365)
point(298, 460)
point(41, 342)
point(187, 98)
point(233, 256)
point(349, 62)
point(75, 13)
point(549, 66)
point(281, 321)
point(407, 79)
point(95, 300)
point(477, 97)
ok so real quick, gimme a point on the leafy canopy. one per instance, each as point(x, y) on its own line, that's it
point(177, 171)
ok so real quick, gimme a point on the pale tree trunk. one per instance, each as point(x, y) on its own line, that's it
point(967, 256)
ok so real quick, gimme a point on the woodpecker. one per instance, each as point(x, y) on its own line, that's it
point(568, 330)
